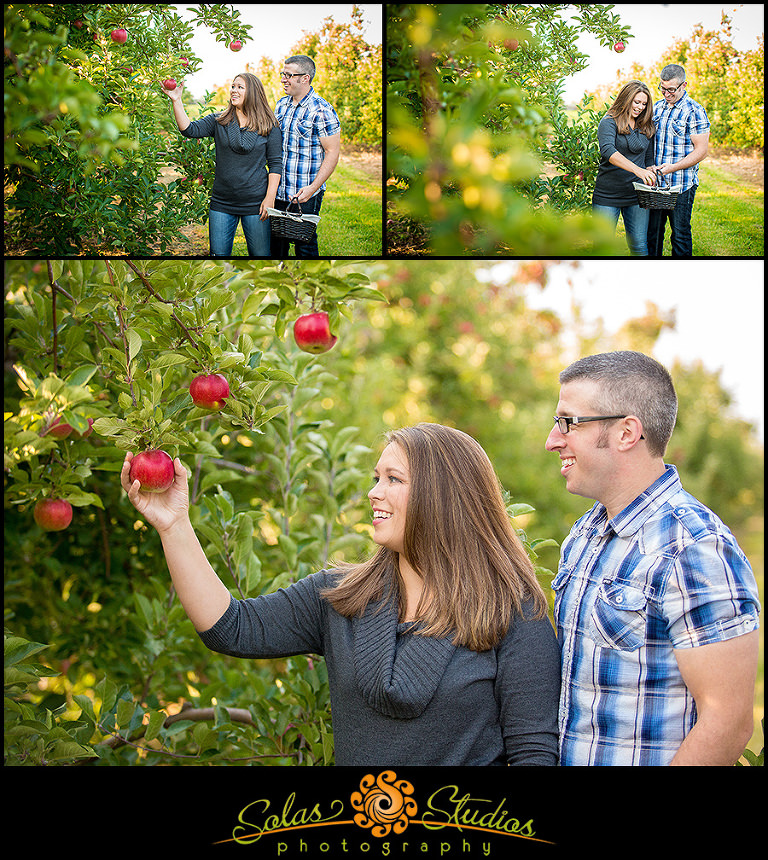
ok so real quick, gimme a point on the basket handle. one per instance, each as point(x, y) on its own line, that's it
point(293, 200)
point(663, 182)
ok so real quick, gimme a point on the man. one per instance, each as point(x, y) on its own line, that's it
point(656, 607)
point(682, 141)
point(311, 144)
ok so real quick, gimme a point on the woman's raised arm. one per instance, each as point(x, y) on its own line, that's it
point(180, 115)
point(203, 595)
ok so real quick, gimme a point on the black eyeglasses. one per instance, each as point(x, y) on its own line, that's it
point(670, 90)
point(294, 75)
point(564, 423)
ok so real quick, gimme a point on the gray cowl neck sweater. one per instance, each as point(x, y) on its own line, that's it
point(399, 698)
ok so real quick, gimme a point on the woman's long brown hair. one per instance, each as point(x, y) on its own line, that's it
point(258, 114)
point(458, 537)
point(622, 107)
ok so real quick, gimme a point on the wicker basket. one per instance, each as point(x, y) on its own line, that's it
point(662, 196)
point(293, 226)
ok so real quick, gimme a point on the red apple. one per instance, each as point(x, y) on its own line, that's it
point(184, 61)
point(59, 430)
point(209, 392)
point(511, 44)
point(618, 47)
point(312, 333)
point(169, 84)
point(119, 35)
point(236, 45)
point(53, 515)
point(153, 469)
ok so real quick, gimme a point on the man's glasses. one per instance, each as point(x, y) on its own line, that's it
point(283, 75)
point(564, 423)
point(670, 90)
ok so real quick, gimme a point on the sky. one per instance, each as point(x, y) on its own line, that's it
point(719, 313)
point(276, 28)
point(654, 27)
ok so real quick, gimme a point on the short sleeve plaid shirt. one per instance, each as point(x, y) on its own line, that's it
point(303, 125)
point(665, 573)
point(674, 127)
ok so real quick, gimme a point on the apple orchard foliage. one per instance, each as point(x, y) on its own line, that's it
point(273, 494)
point(474, 96)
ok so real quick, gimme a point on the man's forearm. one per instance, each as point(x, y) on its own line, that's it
point(714, 742)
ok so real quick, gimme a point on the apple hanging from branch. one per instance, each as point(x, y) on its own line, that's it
point(209, 391)
point(120, 35)
point(53, 515)
point(312, 332)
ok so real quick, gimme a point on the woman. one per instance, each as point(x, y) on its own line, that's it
point(438, 648)
point(248, 139)
point(625, 135)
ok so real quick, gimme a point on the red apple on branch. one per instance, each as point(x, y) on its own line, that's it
point(618, 47)
point(153, 469)
point(312, 333)
point(53, 515)
point(59, 430)
point(236, 45)
point(169, 83)
point(511, 44)
point(209, 391)
point(119, 35)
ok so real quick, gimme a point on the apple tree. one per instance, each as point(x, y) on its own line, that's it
point(110, 349)
point(480, 150)
point(88, 131)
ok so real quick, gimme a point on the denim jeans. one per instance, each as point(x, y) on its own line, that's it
point(304, 250)
point(635, 225)
point(221, 234)
point(679, 223)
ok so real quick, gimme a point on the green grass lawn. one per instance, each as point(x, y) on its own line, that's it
point(727, 216)
point(350, 217)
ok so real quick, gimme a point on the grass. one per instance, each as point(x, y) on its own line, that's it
point(350, 217)
point(727, 216)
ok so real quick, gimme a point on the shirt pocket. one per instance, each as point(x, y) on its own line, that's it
point(620, 615)
point(302, 134)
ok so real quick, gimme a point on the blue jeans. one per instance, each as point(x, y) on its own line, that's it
point(679, 223)
point(304, 250)
point(221, 234)
point(635, 225)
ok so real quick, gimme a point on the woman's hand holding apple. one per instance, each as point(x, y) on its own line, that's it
point(648, 176)
point(162, 510)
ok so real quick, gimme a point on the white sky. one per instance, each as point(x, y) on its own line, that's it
point(654, 27)
point(276, 28)
point(719, 311)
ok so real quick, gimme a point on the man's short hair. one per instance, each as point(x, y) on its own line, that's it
point(631, 383)
point(673, 72)
point(306, 65)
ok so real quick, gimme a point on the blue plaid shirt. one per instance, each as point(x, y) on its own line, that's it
point(303, 125)
point(665, 573)
point(674, 127)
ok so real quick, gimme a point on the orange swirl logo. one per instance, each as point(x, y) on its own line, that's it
point(382, 803)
